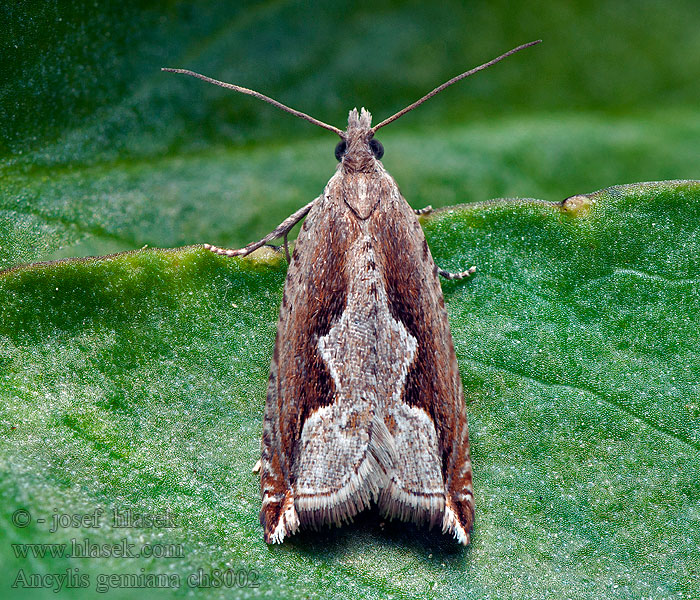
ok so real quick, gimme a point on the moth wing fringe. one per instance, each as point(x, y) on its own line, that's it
point(404, 505)
point(288, 523)
point(451, 525)
point(361, 490)
point(336, 508)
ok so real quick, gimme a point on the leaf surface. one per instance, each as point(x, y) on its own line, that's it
point(138, 381)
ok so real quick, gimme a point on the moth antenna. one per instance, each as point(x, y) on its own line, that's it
point(242, 90)
point(438, 89)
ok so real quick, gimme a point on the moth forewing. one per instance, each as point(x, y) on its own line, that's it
point(364, 402)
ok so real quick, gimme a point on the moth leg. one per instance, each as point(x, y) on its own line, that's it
point(446, 274)
point(461, 275)
point(281, 230)
point(279, 248)
point(286, 248)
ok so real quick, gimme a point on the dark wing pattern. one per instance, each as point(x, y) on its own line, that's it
point(433, 386)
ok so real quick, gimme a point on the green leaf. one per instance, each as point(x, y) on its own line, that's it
point(138, 380)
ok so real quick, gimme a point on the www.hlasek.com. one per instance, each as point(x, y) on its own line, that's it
point(84, 548)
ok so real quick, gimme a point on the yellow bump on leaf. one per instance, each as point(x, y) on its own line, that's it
point(579, 205)
point(266, 255)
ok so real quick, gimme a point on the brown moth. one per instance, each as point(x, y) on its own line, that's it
point(364, 402)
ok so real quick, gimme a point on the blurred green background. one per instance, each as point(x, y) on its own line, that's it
point(94, 67)
point(102, 151)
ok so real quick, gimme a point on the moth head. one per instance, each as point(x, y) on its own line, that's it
point(357, 149)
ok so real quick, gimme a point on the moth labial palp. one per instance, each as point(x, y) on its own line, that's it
point(364, 402)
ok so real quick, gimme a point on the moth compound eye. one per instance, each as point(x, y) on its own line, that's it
point(376, 147)
point(340, 150)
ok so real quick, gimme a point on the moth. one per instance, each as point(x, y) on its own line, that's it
point(364, 402)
